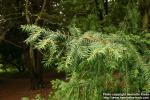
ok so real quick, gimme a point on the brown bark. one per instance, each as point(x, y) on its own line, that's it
point(33, 57)
point(145, 21)
point(37, 71)
point(144, 6)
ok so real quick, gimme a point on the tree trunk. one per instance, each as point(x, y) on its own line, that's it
point(145, 20)
point(37, 72)
point(106, 6)
point(99, 10)
point(144, 6)
point(33, 57)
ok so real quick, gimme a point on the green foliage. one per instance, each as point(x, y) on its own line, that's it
point(90, 60)
point(24, 98)
point(131, 20)
point(37, 97)
point(82, 13)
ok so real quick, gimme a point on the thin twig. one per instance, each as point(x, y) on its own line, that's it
point(10, 42)
point(42, 10)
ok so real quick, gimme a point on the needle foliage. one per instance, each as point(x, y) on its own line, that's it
point(94, 62)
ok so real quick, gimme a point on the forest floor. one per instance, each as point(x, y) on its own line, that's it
point(14, 86)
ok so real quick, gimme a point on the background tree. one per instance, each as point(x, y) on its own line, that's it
point(14, 14)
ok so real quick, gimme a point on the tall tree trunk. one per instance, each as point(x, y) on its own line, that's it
point(37, 71)
point(99, 13)
point(33, 59)
point(37, 57)
point(99, 10)
point(145, 8)
point(106, 6)
point(145, 20)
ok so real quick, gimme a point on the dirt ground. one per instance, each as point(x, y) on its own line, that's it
point(16, 86)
